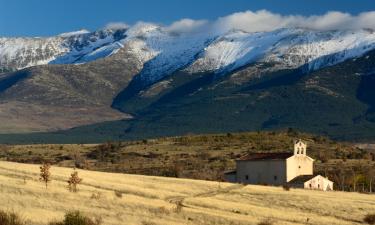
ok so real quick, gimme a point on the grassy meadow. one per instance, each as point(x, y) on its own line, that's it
point(203, 157)
point(147, 200)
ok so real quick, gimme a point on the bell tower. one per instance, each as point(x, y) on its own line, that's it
point(300, 148)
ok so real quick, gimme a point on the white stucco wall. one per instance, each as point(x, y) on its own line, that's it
point(267, 172)
point(319, 183)
point(298, 165)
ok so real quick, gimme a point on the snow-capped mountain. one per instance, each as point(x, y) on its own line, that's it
point(164, 80)
point(320, 49)
point(291, 48)
point(68, 48)
point(161, 52)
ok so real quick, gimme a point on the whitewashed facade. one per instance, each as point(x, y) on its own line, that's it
point(319, 183)
point(278, 169)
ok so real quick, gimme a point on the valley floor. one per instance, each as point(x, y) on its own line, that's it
point(155, 200)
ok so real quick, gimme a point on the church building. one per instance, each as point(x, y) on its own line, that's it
point(292, 168)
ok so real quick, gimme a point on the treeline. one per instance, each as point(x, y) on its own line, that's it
point(354, 176)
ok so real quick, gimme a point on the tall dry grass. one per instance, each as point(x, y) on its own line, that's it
point(153, 200)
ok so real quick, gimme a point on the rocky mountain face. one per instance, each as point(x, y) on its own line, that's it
point(54, 97)
point(199, 82)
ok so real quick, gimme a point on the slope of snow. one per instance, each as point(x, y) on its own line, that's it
point(321, 49)
point(235, 50)
point(74, 33)
point(161, 52)
point(68, 48)
point(290, 47)
point(88, 47)
point(20, 53)
point(101, 52)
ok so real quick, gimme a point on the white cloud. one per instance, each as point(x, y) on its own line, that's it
point(263, 20)
point(117, 25)
point(328, 21)
point(250, 21)
point(366, 20)
point(187, 26)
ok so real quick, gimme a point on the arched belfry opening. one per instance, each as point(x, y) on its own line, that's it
point(300, 147)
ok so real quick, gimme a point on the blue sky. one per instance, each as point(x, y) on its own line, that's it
point(50, 17)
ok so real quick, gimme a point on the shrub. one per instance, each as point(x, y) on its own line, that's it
point(178, 206)
point(96, 195)
point(160, 211)
point(10, 218)
point(286, 187)
point(148, 223)
point(265, 222)
point(369, 218)
point(118, 194)
point(73, 181)
point(77, 218)
point(45, 175)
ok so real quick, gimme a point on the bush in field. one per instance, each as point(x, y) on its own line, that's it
point(118, 194)
point(266, 222)
point(286, 187)
point(77, 218)
point(96, 195)
point(45, 175)
point(369, 218)
point(178, 206)
point(10, 218)
point(73, 181)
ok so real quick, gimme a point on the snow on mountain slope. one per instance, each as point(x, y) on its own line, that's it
point(321, 49)
point(86, 47)
point(162, 52)
point(290, 48)
point(18, 53)
point(74, 33)
point(236, 49)
point(67, 48)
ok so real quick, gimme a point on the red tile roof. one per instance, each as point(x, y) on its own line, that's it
point(266, 156)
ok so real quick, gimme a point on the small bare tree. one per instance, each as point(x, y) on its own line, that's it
point(73, 181)
point(45, 174)
point(340, 176)
point(370, 174)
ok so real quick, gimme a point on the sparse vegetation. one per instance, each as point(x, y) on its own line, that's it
point(96, 195)
point(369, 218)
point(178, 206)
point(286, 187)
point(267, 221)
point(45, 174)
point(11, 218)
point(158, 199)
point(73, 181)
point(118, 194)
point(77, 218)
point(204, 157)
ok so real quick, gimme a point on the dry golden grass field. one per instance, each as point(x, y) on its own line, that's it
point(145, 200)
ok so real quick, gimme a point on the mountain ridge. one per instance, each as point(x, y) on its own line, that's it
point(149, 77)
